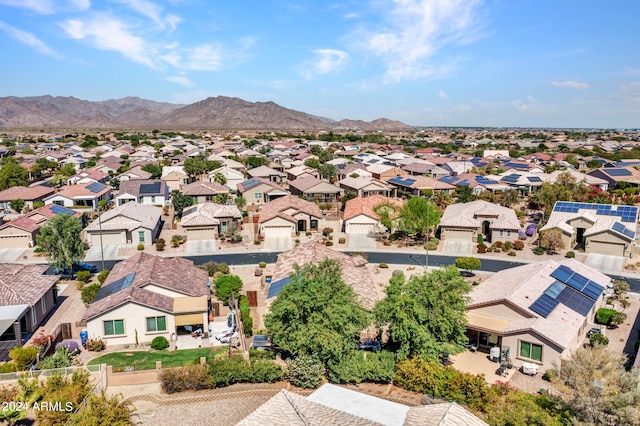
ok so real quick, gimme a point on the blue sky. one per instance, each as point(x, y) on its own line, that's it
point(526, 63)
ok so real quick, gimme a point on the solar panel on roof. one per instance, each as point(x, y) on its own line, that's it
point(562, 273)
point(577, 281)
point(511, 178)
point(534, 179)
point(463, 183)
point(150, 188)
point(96, 187)
point(60, 209)
point(618, 172)
point(485, 181)
point(248, 184)
point(575, 301)
point(115, 286)
point(409, 181)
point(618, 227)
point(593, 290)
point(276, 287)
point(544, 305)
point(555, 289)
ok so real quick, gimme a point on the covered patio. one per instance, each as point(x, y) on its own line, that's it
point(479, 363)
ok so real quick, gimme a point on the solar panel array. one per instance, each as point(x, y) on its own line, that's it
point(618, 172)
point(115, 286)
point(513, 178)
point(618, 227)
point(448, 179)
point(276, 287)
point(626, 213)
point(60, 209)
point(516, 165)
point(96, 187)
point(404, 182)
point(248, 184)
point(534, 179)
point(578, 282)
point(544, 305)
point(150, 188)
point(485, 181)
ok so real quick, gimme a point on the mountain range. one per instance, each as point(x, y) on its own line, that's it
point(214, 113)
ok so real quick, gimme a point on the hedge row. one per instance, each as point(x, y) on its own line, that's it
point(245, 315)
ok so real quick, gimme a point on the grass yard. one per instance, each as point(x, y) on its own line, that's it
point(143, 360)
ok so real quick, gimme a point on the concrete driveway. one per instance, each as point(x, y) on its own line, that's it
point(201, 246)
point(110, 253)
point(604, 262)
point(278, 243)
point(8, 255)
point(361, 242)
point(457, 248)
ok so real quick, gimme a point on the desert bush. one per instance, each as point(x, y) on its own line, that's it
point(159, 343)
point(512, 253)
point(102, 276)
point(191, 377)
point(604, 315)
point(518, 245)
point(498, 244)
point(507, 245)
point(341, 240)
point(23, 356)
point(617, 319)
point(227, 285)
point(383, 266)
point(598, 339)
point(89, 293)
point(326, 231)
point(329, 243)
point(538, 250)
point(550, 375)
point(212, 268)
point(262, 264)
point(96, 345)
point(83, 276)
point(60, 359)
point(140, 247)
point(226, 371)
point(360, 366)
point(305, 372)
point(570, 254)
point(431, 246)
point(8, 367)
point(266, 371)
point(160, 243)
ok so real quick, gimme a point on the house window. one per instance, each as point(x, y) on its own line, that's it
point(43, 304)
point(313, 224)
point(501, 232)
point(185, 181)
point(59, 202)
point(153, 198)
point(34, 317)
point(257, 195)
point(531, 351)
point(223, 226)
point(508, 233)
point(141, 236)
point(156, 324)
point(113, 327)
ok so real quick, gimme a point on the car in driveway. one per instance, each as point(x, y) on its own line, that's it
point(369, 345)
point(594, 330)
point(77, 267)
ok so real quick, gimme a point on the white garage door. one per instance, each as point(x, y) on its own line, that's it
point(14, 241)
point(360, 228)
point(457, 234)
point(600, 247)
point(277, 231)
point(200, 234)
point(108, 238)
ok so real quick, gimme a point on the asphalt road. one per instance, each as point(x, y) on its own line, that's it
point(488, 265)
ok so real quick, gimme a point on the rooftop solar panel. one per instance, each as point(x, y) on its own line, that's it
point(150, 188)
point(544, 305)
point(577, 281)
point(248, 184)
point(277, 286)
point(115, 286)
point(96, 187)
point(562, 273)
point(618, 172)
point(534, 179)
point(618, 227)
point(555, 289)
point(60, 209)
point(575, 301)
point(409, 181)
point(511, 178)
point(593, 290)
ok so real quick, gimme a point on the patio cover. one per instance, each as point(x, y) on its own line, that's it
point(9, 315)
point(487, 323)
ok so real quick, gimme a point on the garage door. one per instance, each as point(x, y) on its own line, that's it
point(277, 231)
point(14, 241)
point(601, 247)
point(200, 234)
point(108, 238)
point(360, 228)
point(457, 234)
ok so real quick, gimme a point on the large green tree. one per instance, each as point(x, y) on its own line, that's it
point(426, 314)
point(181, 202)
point(316, 314)
point(154, 169)
point(418, 215)
point(464, 194)
point(12, 174)
point(60, 241)
point(328, 171)
point(199, 165)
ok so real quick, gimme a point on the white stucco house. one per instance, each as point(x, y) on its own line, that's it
point(130, 223)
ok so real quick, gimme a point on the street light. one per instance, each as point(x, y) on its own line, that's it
point(100, 227)
point(426, 246)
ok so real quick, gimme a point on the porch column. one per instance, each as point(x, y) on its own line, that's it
point(17, 331)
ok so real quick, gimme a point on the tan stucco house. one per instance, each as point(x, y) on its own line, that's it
point(464, 221)
point(131, 223)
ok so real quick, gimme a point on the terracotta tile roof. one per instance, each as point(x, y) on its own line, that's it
point(263, 171)
point(359, 205)
point(175, 274)
point(306, 182)
point(24, 284)
point(92, 174)
point(204, 188)
point(280, 206)
point(33, 220)
point(27, 194)
point(80, 190)
point(208, 214)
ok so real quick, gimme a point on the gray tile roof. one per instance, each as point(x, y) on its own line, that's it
point(137, 215)
point(24, 284)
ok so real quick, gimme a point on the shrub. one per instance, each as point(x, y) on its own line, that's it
point(89, 293)
point(160, 243)
point(434, 240)
point(140, 246)
point(226, 371)
point(8, 367)
point(227, 285)
point(598, 339)
point(326, 231)
point(305, 372)
point(431, 246)
point(71, 345)
point(38, 250)
point(245, 315)
point(212, 268)
point(570, 254)
point(83, 276)
point(604, 315)
point(159, 343)
point(498, 244)
point(23, 356)
point(383, 266)
point(102, 276)
point(512, 253)
point(482, 248)
point(507, 245)
point(360, 366)
point(550, 375)
point(256, 242)
point(191, 377)
point(95, 345)
point(308, 234)
point(262, 265)
point(617, 319)
point(60, 359)
point(480, 239)
point(538, 250)
point(41, 340)
point(255, 354)
point(518, 245)
point(329, 243)
point(266, 371)
point(341, 240)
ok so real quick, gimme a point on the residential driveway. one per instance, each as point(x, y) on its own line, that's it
point(110, 253)
point(8, 255)
point(456, 248)
point(201, 246)
point(361, 242)
point(278, 243)
point(604, 262)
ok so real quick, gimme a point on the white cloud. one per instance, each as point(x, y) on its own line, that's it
point(107, 33)
point(153, 11)
point(570, 84)
point(443, 95)
point(180, 79)
point(326, 61)
point(414, 31)
point(28, 39)
point(44, 7)
point(203, 58)
point(80, 4)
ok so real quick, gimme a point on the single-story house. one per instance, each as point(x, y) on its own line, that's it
point(129, 223)
point(537, 313)
point(202, 192)
point(27, 194)
point(21, 232)
point(88, 176)
point(146, 296)
point(260, 190)
point(299, 171)
point(83, 195)
point(418, 185)
point(205, 221)
point(586, 179)
point(360, 217)
point(266, 173)
point(464, 221)
point(174, 177)
point(312, 188)
point(366, 186)
point(599, 228)
point(27, 296)
point(134, 173)
point(233, 176)
point(286, 215)
point(614, 175)
point(144, 191)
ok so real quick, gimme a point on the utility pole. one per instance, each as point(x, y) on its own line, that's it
point(100, 227)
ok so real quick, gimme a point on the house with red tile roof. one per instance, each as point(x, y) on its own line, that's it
point(85, 195)
point(361, 218)
point(21, 232)
point(28, 195)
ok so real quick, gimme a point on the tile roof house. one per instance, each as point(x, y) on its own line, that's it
point(312, 188)
point(354, 272)
point(129, 223)
point(299, 171)
point(205, 221)
point(22, 232)
point(174, 177)
point(204, 191)
point(600, 228)
point(281, 218)
point(360, 218)
point(417, 185)
point(539, 312)
point(134, 173)
point(365, 186)
point(27, 295)
point(260, 190)
point(464, 221)
point(146, 296)
point(144, 191)
point(615, 175)
point(86, 195)
point(266, 173)
point(27, 194)
point(232, 175)
point(88, 176)
point(587, 179)
point(335, 405)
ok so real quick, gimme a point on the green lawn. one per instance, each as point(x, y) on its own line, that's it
point(143, 360)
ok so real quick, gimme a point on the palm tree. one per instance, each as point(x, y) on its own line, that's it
point(219, 178)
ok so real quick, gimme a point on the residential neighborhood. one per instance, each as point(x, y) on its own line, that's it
point(198, 240)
